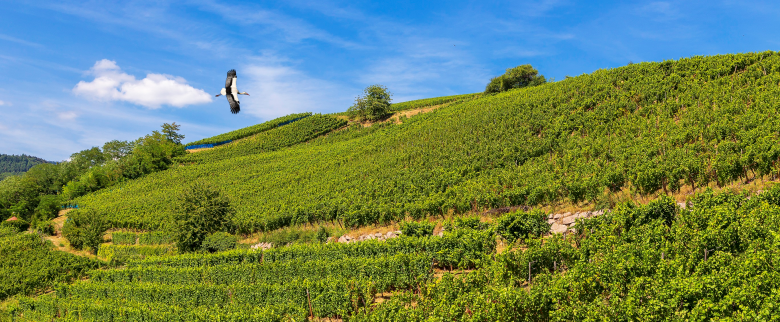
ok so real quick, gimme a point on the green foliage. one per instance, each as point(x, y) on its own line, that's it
point(322, 234)
point(203, 210)
point(85, 228)
point(219, 242)
point(466, 222)
point(428, 102)
point(6, 230)
point(123, 238)
point(713, 262)
point(171, 132)
point(318, 280)
point(48, 208)
point(517, 77)
point(521, 224)
point(29, 264)
point(156, 238)
point(417, 229)
point(643, 128)
point(373, 105)
point(270, 140)
point(19, 225)
point(122, 253)
point(17, 164)
point(115, 149)
point(251, 130)
point(44, 227)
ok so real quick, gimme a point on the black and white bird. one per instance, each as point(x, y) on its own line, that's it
point(231, 92)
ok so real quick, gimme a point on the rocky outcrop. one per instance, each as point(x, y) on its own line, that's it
point(565, 222)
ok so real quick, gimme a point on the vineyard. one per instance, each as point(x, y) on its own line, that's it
point(715, 259)
point(428, 102)
point(644, 128)
point(250, 130)
point(332, 280)
point(30, 265)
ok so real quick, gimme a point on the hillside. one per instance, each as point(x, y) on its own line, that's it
point(17, 164)
point(637, 130)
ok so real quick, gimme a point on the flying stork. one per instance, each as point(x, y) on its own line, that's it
point(231, 92)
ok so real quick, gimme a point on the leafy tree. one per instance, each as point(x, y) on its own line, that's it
point(373, 105)
point(517, 77)
point(203, 210)
point(114, 150)
point(85, 228)
point(47, 209)
point(171, 132)
point(152, 153)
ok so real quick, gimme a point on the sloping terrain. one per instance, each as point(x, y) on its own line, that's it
point(644, 127)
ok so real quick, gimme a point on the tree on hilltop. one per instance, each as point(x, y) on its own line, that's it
point(373, 105)
point(517, 77)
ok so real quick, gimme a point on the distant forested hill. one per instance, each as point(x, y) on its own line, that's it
point(17, 164)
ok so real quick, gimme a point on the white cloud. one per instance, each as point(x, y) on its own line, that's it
point(2, 103)
point(111, 84)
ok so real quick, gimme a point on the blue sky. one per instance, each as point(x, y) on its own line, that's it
point(77, 74)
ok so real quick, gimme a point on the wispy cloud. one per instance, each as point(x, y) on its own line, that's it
point(20, 41)
point(4, 103)
point(111, 84)
point(278, 88)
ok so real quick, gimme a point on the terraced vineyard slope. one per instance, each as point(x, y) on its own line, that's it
point(644, 128)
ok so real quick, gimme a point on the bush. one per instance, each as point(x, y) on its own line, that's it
point(471, 222)
point(322, 234)
point(518, 77)
point(85, 228)
point(219, 241)
point(44, 227)
point(6, 231)
point(521, 224)
point(417, 229)
point(373, 105)
point(19, 224)
point(203, 210)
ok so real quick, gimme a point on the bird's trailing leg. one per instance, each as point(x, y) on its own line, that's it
point(218, 95)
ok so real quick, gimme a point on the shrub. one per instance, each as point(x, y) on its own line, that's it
point(322, 234)
point(219, 241)
point(85, 228)
point(19, 224)
point(521, 224)
point(518, 77)
point(6, 231)
point(417, 229)
point(471, 222)
point(373, 105)
point(203, 210)
point(44, 227)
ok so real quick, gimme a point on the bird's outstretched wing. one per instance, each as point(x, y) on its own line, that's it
point(235, 106)
point(231, 74)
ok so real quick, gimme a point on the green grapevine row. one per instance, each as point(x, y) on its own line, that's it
point(107, 310)
point(453, 249)
point(148, 238)
point(300, 131)
point(126, 252)
point(250, 130)
point(393, 272)
point(428, 102)
point(29, 264)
